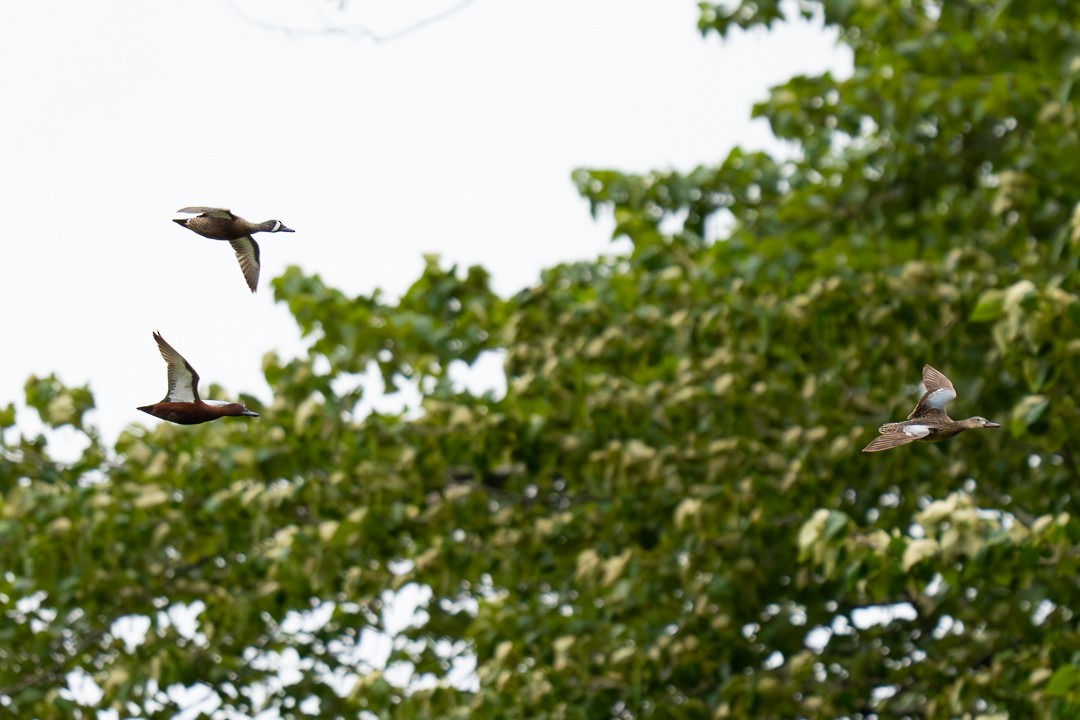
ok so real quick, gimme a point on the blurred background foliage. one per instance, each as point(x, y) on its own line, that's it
point(667, 514)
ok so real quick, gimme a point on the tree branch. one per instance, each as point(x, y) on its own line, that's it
point(359, 32)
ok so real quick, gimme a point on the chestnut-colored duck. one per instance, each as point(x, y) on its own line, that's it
point(221, 224)
point(928, 422)
point(182, 404)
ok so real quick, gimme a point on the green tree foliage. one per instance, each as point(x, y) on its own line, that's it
point(667, 515)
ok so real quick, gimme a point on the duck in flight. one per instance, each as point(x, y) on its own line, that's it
point(928, 422)
point(221, 224)
point(182, 404)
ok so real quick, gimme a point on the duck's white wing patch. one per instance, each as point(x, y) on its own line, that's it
point(219, 403)
point(939, 393)
point(938, 399)
point(916, 431)
point(247, 253)
point(183, 380)
point(939, 389)
point(181, 387)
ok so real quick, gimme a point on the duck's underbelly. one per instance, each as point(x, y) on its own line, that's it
point(939, 435)
point(214, 228)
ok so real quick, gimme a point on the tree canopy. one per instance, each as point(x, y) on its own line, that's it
point(667, 514)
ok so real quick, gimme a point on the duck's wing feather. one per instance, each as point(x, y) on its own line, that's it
point(247, 253)
point(183, 380)
point(895, 438)
point(888, 441)
point(209, 211)
point(939, 393)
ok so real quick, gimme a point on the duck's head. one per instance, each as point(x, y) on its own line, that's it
point(237, 409)
point(274, 226)
point(980, 422)
point(231, 409)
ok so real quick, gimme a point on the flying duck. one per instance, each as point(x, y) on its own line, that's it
point(182, 404)
point(221, 224)
point(928, 422)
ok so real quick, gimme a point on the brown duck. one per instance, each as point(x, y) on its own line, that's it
point(221, 224)
point(928, 422)
point(182, 404)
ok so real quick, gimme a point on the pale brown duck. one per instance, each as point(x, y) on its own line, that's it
point(928, 422)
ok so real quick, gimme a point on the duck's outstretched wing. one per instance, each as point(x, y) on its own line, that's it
point(183, 380)
point(247, 253)
point(939, 392)
point(898, 437)
point(209, 211)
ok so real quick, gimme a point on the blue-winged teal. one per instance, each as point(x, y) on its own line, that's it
point(928, 421)
point(182, 404)
point(221, 224)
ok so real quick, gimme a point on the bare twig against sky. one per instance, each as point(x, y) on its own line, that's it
point(360, 32)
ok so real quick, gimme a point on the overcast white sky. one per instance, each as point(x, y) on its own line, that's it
point(457, 139)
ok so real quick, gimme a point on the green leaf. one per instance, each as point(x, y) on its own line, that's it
point(7, 416)
point(1027, 412)
point(834, 523)
point(989, 307)
point(1064, 680)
